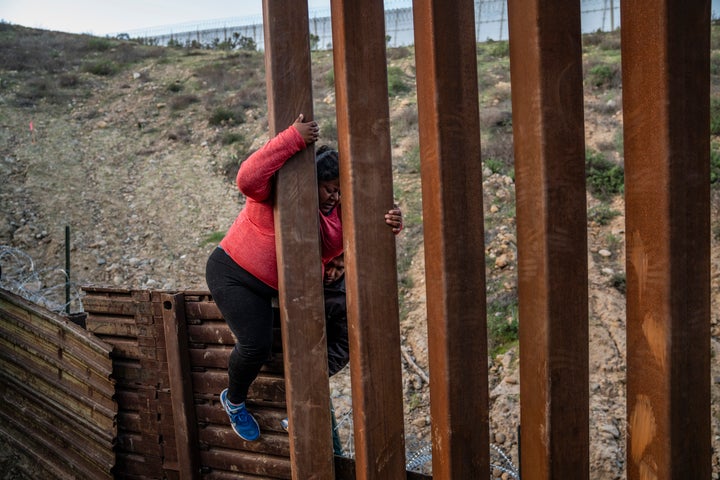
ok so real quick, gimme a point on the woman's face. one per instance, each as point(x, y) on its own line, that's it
point(328, 195)
point(334, 269)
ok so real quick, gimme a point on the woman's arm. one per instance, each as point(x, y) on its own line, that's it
point(255, 173)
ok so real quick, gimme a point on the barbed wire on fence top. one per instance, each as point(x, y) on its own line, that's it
point(45, 287)
point(491, 18)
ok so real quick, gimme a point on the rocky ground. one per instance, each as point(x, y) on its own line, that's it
point(143, 185)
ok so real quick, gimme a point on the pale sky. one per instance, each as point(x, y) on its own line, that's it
point(102, 17)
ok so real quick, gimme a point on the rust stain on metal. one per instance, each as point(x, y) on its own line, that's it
point(648, 470)
point(638, 260)
point(643, 428)
point(656, 336)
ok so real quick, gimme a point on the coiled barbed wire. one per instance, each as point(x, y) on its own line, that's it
point(419, 455)
point(44, 287)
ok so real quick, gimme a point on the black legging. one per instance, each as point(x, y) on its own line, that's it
point(245, 303)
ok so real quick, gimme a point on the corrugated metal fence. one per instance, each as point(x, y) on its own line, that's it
point(56, 392)
point(149, 410)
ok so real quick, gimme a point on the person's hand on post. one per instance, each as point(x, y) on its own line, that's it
point(393, 218)
point(308, 130)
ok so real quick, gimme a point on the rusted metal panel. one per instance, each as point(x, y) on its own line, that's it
point(203, 310)
point(210, 344)
point(69, 430)
point(289, 91)
point(139, 466)
point(109, 305)
point(59, 459)
point(211, 333)
point(43, 385)
point(180, 384)
point(75, 367)
point(112, 326)
point(46, 360)
point(276, 443)
point(453, 228)
point(666, 98)
point(267, 386)
point(126, 320)
point(371, 274)
point(547, 103)
point(247, 462)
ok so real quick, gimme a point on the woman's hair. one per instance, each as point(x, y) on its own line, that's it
point(327, 164)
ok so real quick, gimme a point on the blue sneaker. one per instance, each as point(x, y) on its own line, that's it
point(241, 420)
point(285, 424)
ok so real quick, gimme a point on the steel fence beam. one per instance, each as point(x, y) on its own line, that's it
point(547, 101)
point(371, 274)
point(179, 375)
point(289, 87)
point(666, 85)
point(451, 170)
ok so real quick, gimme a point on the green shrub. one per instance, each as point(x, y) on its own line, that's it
point(397, 83)
point(68, 80)
point(605, 179)
point(224, 115)
point(495, 165)
point(314, 42)
point(602, 214)
point(101, 68)
point(246, 43)
point(36, 89)
point(228, 138)
point(604, 75)
point(175, 87)
point(493, 48)
point(99, 44)
point(502, 322)
point(330, 78)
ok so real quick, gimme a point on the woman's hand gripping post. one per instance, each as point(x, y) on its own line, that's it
point(308, 130)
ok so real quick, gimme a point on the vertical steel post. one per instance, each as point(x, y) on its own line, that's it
point(449, 121)
point(547, 100)
point(666, 98)
point(67, 269)
point(181, 386)
point(289, 86)
point(371, 273)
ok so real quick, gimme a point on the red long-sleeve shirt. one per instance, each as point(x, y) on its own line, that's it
point(250, 241)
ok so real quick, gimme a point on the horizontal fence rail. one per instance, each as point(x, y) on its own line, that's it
point(56, 392)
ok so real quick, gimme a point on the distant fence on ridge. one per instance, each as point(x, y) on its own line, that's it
point(490, 24)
